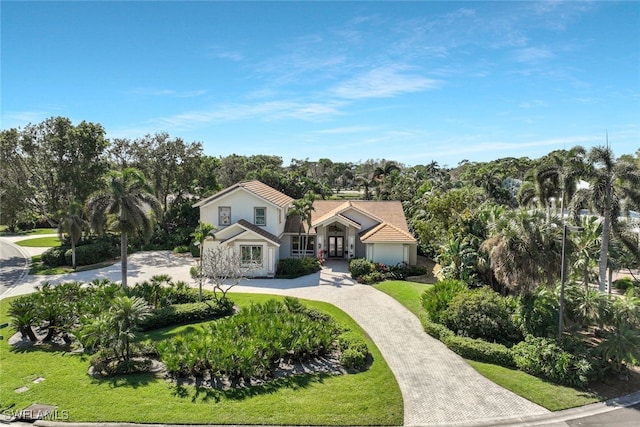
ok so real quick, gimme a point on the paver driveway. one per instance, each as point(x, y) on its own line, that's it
point(438, 387)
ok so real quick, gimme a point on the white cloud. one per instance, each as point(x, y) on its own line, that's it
point(384, 82)
point(532, 54)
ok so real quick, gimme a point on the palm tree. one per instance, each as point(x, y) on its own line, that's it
point(609, 183)
point(524, 250)
point(563, 168)
point(202, 231)
point(302, 209)
point(367, 181)
point(585, 247)
point(73, 224)
point(129, 199)
point(126, 314)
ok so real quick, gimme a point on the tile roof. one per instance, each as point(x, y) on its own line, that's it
point(391, 227)
point(259, 230)
point(386, 232)
point(256, 187)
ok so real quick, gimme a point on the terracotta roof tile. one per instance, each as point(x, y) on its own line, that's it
point(256, 187)
point(386, 232)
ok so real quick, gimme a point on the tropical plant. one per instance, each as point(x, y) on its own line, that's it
point(524, 250)
point(610, 182)
point(129, 200)
point(200, 234)
point(621, 347)
point(125, 317)
point(24, 316)
point(302, 209)
point(73, 224)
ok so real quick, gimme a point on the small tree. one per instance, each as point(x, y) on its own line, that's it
point(224, 267)
point(200, 235)
point(73, 224)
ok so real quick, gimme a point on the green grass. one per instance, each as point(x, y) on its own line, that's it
point(40, 242)
point(406, 293)
point(39, 269)
point(4, 231)
point(548, 395)
point(367, 398)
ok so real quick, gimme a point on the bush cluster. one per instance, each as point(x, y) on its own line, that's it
point(179, 314)
point(437, 298)
point(54, 257)
point(354, 351)
point(291, 268)
point(248, 345)
point(365, 271)
point(483, 313)
point(91, 253)
point(544, 358)
point(625, 283)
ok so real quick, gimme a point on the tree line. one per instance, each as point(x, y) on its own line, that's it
point(497, 223)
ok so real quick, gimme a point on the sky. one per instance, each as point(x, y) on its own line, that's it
point(413, 82)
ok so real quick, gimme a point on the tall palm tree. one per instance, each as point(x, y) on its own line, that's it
point(564, 168)
point(302, 208)
point(129, 199)
point(610, 181)
point(367, 181)
point(524, 250)
point(73, 224)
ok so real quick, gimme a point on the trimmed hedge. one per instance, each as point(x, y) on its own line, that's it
point(291, 268)
point(469, 348)
point(54, 257)
point(92, 253)
point(480, 350)
point(179, 314)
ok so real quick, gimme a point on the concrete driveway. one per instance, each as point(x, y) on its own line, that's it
point(438, 386)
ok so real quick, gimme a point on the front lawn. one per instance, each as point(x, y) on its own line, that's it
point(367, 398)
point(406, 293)
point(4, 231)
point(38, 268)
point(40, 242)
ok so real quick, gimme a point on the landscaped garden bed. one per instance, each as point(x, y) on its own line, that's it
point(301, 384)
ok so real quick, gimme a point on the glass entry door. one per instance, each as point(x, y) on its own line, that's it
point(336, 246)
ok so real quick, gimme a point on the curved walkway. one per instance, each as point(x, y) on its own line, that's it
point(438, 387)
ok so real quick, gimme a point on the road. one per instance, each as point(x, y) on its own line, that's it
point(622, 417)
point(13, 265)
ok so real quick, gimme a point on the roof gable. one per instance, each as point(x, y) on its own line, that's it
point(259, 189)
point(387, 233)
point(241, 228)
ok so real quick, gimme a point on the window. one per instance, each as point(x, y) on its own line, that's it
point(251, 255)
point(224, 215)
point(260, 216)
point(310, 243)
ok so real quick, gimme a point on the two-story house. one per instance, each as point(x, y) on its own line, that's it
point(252, 218)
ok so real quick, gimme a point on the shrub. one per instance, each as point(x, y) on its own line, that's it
point(477, 349)
point(482, 313)
point(538, 313)
point(54, 257)
point(178, 314)
point(295, 267)
point(181, 249)
point(544, 358)
point(91, 253)
point(403, 270)
point(354, 350)
point(353, 359)
point(375, 277)
point(436, 299)
point(195, 250)
point(436, 330)
point(359, 267)
point(624, 283)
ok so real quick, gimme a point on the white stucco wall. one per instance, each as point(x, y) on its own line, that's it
point(242, 204)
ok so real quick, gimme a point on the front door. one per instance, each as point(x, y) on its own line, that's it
point(336, 246)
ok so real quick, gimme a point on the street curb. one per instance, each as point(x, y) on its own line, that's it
point(564, 415)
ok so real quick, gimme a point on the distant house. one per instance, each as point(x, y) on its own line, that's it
point(252, 218)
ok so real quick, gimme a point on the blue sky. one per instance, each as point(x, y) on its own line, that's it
point(414, 82)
